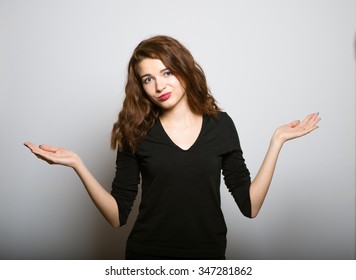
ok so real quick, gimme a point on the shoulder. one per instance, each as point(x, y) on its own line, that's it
point(221, 131)
point(221, 125)
point(224, 116)
point(221, 120)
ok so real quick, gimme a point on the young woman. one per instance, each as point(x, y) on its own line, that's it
point(172, 135)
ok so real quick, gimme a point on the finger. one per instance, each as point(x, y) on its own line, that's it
point(31, 146)
point(308, 122)
point(308, 118)
point(310, 129)
point(294, 123)
point(312, 121)
point(28, 145)
point(48, 148)
point(315, 121)
point(40, 153)
point(314, 116)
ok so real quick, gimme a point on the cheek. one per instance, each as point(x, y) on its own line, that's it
point(148, 90)
point(149, 96)
point(178, 84)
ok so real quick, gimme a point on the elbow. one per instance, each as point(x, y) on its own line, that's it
point(114, 217)
point(255, 208)
point(250, 215)
point(254, 213)
point(115, 225)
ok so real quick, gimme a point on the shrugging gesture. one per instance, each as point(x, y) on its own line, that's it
point(259, 186)
point(167, 99)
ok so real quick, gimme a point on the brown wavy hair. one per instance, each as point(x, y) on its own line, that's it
point(138, 113)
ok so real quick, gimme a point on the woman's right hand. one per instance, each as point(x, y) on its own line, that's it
point(54, 155)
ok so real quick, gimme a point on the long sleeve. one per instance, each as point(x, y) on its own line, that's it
point(125, 183)
point(236, 175)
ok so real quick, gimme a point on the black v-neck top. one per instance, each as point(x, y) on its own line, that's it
point(180, 214)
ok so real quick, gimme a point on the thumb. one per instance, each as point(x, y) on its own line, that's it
point(294, 123)
point(48, 148)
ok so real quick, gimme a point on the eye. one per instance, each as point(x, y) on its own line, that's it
point(147, 80)
point(167, 73)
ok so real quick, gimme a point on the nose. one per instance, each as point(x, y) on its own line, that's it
point(160, 84)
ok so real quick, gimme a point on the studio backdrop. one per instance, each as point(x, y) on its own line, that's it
point(62, 76)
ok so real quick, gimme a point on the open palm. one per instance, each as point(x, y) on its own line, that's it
point(54, 155)
point(297, 128)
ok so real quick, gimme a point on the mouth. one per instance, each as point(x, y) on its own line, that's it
point(164, 96)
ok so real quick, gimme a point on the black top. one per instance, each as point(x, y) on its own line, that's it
point(180, 214)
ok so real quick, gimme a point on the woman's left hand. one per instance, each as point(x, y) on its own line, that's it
point(296, 128)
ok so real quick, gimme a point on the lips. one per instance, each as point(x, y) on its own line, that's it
point(164, 96)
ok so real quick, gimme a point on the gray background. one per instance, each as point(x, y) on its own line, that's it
point(63, 69)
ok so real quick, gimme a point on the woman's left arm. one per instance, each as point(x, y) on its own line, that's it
point(261, 183)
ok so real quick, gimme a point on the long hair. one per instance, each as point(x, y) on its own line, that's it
point(138, 113)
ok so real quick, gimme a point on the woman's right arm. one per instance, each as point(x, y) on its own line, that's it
point(103, 200)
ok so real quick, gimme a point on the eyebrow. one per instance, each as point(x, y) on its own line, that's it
point(147, 75)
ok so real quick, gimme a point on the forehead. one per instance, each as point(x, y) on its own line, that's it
point(150, 66)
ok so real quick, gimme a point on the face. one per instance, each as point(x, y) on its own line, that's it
point(161, 86)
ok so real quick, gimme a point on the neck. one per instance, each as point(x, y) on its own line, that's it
point(179, 116)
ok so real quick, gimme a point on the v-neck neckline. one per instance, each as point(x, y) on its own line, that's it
point(177, 146)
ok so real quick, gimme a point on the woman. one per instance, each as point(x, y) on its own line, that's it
point(171, 134)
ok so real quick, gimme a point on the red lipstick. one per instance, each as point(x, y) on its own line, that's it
point(164, 96)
